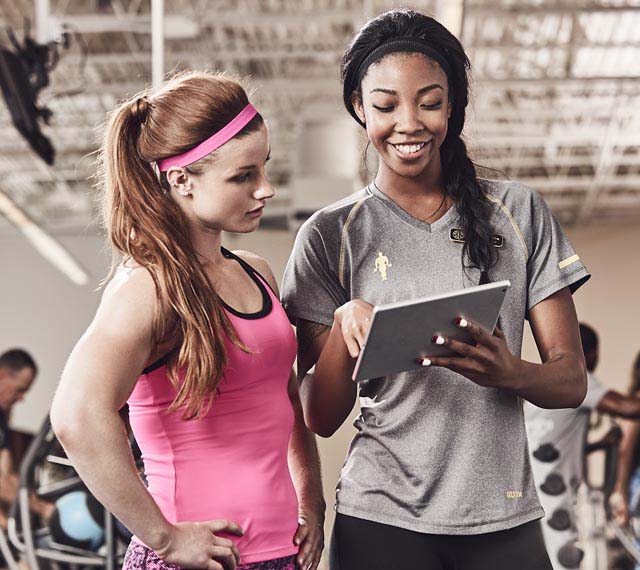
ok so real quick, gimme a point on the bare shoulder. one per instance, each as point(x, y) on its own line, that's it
point(261, 265)
point(129, 303)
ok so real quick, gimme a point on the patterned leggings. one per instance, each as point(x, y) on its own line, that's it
point(139, 557)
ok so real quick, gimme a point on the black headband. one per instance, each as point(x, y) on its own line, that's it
point(394, 45)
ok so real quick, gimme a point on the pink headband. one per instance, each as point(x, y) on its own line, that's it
point(216, 140)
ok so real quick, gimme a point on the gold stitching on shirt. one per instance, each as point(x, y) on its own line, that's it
point(565, 262)
point(513, 222)
point(345, 229)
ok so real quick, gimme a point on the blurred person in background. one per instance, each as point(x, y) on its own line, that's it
point(18, 371)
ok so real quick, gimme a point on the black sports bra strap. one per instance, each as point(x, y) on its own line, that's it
point(259, 280)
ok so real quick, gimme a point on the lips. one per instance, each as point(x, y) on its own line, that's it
point(410, 150)
point(256, 211)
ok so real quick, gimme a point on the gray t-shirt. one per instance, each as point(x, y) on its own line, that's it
point(433, 451)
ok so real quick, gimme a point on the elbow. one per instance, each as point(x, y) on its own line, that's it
point(66, 426)
point(320, 426)
point(579, 386)
point(59, 424)
point(325, 433)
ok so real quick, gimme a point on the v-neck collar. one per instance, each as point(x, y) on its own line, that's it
point(436, 226)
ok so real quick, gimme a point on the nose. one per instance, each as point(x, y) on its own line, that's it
point(409, 120)
point(265, 191)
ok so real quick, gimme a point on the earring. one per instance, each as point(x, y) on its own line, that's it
point(180, 188)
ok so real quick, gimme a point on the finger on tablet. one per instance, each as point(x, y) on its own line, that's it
point(475, 330)
point(461, 348)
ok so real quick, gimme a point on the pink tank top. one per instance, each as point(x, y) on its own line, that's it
point(231, 464)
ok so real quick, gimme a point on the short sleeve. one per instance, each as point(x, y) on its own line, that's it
point(553, 263)
point(595, 392)
point(311, 289)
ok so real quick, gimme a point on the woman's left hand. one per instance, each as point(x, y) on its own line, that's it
point(489, 363)
point(310, 538)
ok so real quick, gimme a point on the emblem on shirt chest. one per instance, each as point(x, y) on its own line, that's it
point(457, 235)
point(382, 265)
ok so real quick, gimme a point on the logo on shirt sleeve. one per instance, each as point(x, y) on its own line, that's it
point(381, 265)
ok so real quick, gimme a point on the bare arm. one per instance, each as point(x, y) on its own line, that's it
point(561, 380)
point(304, 464)
point(96, 382)
point(617, 404)
point(630, 434)
point(620, 496)
point(328, 395)
point(8, 478)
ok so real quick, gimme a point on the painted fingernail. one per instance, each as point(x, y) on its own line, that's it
point(425, 362)
point(437, 339)
point(463, 323)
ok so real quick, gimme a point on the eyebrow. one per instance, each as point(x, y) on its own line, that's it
point(252, 166)
point(420, 91)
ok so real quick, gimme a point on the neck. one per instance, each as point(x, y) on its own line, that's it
point(428, 184)
point(207, 243)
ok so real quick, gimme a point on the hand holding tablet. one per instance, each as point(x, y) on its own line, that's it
point(403, 333)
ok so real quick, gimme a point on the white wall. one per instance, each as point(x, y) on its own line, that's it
point(43, 312)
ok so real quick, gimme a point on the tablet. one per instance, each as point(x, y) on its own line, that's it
point(401, 333)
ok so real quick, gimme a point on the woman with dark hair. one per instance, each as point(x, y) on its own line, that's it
point(437, 475)
point(194, 339)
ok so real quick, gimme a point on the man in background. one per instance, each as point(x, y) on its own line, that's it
point(17, 373)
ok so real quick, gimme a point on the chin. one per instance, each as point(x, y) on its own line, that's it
point(409, 171)
point(243, 228)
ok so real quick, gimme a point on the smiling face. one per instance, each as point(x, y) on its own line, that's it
point(406, 109)
point(229, 190)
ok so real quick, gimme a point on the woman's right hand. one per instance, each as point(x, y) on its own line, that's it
point(195, 545)
point(354, 320)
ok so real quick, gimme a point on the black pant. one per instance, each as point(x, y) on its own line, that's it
point(358, 544)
